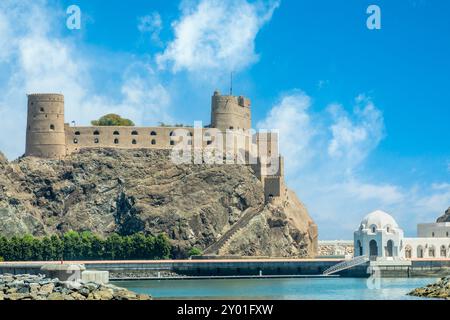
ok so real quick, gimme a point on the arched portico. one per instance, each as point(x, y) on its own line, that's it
point(373, 248)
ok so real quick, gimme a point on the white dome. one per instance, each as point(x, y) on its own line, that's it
point(380, 219)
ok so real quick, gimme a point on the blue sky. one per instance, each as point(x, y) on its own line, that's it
point(363, 113)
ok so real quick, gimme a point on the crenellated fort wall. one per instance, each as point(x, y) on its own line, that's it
point(48, 136)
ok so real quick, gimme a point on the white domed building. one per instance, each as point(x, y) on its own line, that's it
point(380, 237)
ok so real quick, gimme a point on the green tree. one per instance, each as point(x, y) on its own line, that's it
point(48, 249)
point(194, 252)
point(72, 245)
point(162, 247)
point(58, 247)
point(112, 120)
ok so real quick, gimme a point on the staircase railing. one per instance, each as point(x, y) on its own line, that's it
point(356, 261)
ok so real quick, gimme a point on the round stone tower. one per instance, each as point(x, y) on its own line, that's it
point(230, 112)
point(45, 126)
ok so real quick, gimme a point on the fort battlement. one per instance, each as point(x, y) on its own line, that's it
point(48, 136)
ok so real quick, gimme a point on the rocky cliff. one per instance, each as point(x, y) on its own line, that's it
point(445, 217)
point(128, 191)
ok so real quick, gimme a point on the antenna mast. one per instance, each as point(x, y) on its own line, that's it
point(231, 84)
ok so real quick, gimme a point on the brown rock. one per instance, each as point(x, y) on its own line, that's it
point(128, 191)
point(46, 289)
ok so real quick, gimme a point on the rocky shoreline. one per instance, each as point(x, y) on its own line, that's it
point(439, 290)
point(39, 287)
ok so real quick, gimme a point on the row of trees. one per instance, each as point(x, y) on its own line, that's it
point(84, 246)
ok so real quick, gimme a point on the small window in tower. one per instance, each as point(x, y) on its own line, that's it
point(172, 143)
point(96, 140)
point(209, 142)
point(52, 127)
point(231, 128)
point(432, 234)
point(75, 141)
point(116, 133)
point(134, 141)
point(96, 133)
point(42, 109)
point(116, 141)
point(153, 142)
point(189, 142)
point(77, 133)
point(189, 134)
point(153, 133)
point(134, 133)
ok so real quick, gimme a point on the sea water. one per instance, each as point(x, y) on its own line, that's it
point(286, 288)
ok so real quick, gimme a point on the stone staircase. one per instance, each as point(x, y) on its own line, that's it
point(223, 241)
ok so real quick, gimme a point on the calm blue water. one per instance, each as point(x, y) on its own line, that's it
point(296, 289)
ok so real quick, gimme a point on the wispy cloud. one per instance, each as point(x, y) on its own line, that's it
point(151, 24)
point(325, 155)
point(214, 34)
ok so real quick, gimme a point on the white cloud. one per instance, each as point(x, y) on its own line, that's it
point(325, 154)
point(290, 117)
point(353, 139)
point(215, 34)
point(151, 24)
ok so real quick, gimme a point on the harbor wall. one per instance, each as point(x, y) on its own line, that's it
point(258, 267)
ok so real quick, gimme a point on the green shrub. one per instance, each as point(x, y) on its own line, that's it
point(194, 252)
point(85, 246)
point(112, 120)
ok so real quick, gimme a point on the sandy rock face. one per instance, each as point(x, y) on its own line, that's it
point(439, 290)
point(445, 217)
point(129, 191)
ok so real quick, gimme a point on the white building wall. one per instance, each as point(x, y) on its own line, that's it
point(426, 244)
point(433, 230)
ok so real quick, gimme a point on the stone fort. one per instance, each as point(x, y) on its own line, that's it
point(49, 136)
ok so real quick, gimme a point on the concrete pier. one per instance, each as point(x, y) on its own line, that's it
point(243, 267)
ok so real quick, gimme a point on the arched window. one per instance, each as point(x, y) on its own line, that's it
point(96, 133)
point(172, 143)
point(134, 133)
point(189, 142)
point(208, 142)
point(77, 133)
point(42, 109)
point(116, 133)
point(443, 251)
point(419, 252)
point(52, 127)
point(373, 248)
point(153, 133)
point(231, 128)
point(389, 249)
point(96, 140)
point(172, 134)
point(373, 228)
point(153, 142)
point(116, 141)
point(75, 141)
point(134, 141)
point(359, 248)
point(408, 252)
point(431, 252)
point(432, 234)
